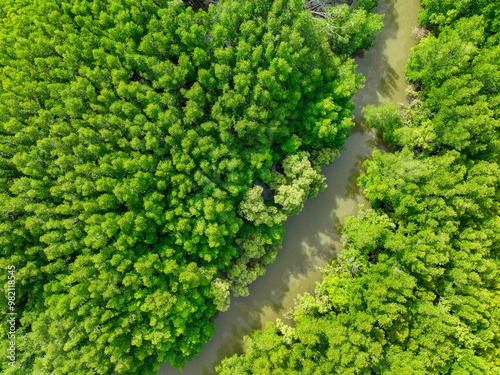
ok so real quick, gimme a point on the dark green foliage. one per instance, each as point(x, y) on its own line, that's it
point(351, 30)
point(386, 118)
point(416, 290)
point(437, 59)
point(439, 13)
point(132, 133)
point(460, 80)
point(365, 4)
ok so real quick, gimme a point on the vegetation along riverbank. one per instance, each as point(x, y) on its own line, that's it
point(416, 290)
point(135, 140)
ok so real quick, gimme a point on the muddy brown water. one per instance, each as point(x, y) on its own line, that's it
point(312, 238)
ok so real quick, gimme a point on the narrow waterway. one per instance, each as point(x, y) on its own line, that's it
point(312, 238)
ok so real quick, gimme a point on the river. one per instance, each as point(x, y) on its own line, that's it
point(312, 238)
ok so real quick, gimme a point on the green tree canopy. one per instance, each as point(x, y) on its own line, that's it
point(416, 289)
point(131, 136)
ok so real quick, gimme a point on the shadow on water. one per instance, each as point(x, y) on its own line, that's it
point(353, 189)
point(382, 80)
point(389, 82)
point(313, 238)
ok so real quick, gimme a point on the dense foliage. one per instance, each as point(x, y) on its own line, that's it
point(417, 288)
point(135, 140)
